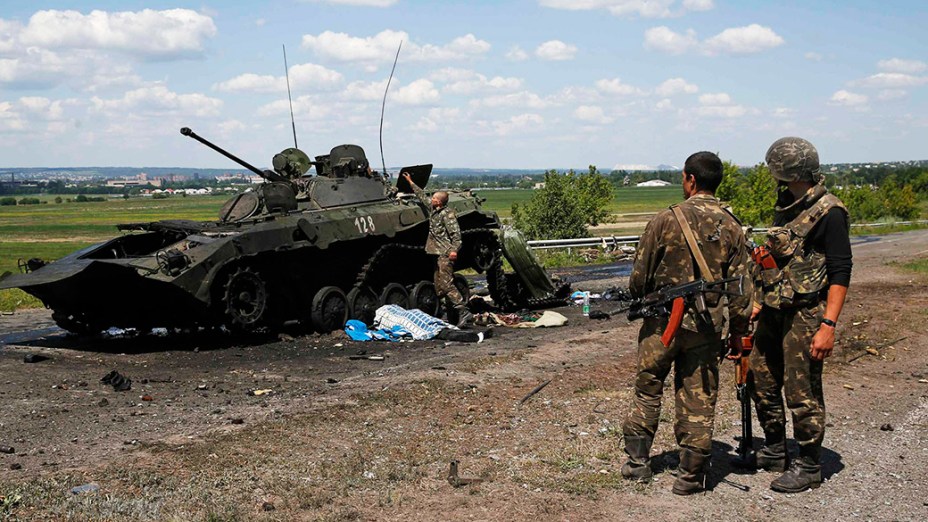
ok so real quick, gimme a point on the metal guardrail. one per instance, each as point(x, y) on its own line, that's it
point(607, 241)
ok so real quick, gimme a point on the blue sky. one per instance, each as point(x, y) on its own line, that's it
point(480, 84)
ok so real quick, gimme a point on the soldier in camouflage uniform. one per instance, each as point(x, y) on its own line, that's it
point(444, 241)
point(664, 259)
point(796, 306)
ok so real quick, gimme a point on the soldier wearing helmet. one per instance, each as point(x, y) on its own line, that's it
point(796, 308)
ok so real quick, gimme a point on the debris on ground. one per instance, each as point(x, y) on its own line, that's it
point(31, 358)
point(457, 481)
point(258, 393)
point(887, 427)
point(86, 488)
point(118, 381)
point(9, 450)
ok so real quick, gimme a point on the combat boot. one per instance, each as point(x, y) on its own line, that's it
point(691, 477)
point(638, 465)
point(805, 473)
point(464, 316)
point(773, 457)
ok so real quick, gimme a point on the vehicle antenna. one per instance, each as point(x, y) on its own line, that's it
point(287, 73)
point(384, 106)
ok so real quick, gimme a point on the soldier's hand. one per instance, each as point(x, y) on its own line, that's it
point(453, 256)
point(754, 313)
point(406, 176)
point(822, 343)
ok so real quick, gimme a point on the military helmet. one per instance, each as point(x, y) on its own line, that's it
point(291, 163)
point(793, 159)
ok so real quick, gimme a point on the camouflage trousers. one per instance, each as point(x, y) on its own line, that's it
point(444, 282)
point(694, 359)
point(781, 365)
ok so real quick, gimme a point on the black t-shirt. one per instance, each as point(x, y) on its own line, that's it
point(831, 236)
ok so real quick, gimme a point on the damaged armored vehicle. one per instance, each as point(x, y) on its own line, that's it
point(310, 248)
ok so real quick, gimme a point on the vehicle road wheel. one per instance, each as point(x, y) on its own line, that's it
point(395, 293)
point(363, 303)
point(245, 299)
point(424, 297)
point(329, 309)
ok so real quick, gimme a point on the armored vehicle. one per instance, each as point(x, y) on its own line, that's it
point(315, 249)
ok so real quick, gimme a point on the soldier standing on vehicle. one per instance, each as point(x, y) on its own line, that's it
point(444, 241)
point(664, 258)
point(796, 307)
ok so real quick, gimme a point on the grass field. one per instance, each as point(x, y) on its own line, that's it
point(628, 200)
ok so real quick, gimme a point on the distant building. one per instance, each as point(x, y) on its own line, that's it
point(654, 183)
point(141, 179)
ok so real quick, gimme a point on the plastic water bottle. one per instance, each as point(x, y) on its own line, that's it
point(586, 304)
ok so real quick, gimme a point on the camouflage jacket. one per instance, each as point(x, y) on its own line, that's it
point(444, 231)
point(800, 275)
point(664, 259)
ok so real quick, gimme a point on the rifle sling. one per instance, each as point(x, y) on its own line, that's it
point(694, 247)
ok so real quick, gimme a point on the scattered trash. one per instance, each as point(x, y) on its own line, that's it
point(872, 351)
point(34, 358)
point(285, 338)
point(86, 488)
point(548, 319)
point(9, 450)
point(887, 427)
point(237, 420)
point(331, 381)
point(202, 387)
point(457, 481)
point(147, 398)
point(923, 381)
point(268, 506)
point(258, 393)
point(339, 345)
point(103, 402)
point(117, 381)
point(848, 387)
point(15, 466)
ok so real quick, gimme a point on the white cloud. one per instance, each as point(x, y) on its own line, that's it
point(642, 8)
point(848, 99)
point(364, 91)
point(664, 105)
point(230, 126)
point(437, 119)
point(665, 40)
point(260, 22)
point(144, 34)
point(892, 94)
point(518, 99)
point(556, 50)
point(419, 92)
point(157, 100)
point(898, 65)
point(675, 86)
point(615, 86)
point(515, 124)
point(43, 107)
point(721, 111)
point(891, 81)
point(783, 112)
point(516, 54)
point(813, 56)
point(363, 3)
point(301, 76)
point(382, 47)
point(720, 98)
point(593, 114)
point(750, 39)
point(467, 81)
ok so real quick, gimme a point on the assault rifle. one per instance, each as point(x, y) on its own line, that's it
point(740, 349)
point(672, 300)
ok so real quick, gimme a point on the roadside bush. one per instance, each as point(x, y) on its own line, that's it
point(7, 202)
point(565, 206)
point(160, 195)
point(30, 201)
point(752, 194)
point(58, 200)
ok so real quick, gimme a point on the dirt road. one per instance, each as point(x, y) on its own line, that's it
point(342, 437)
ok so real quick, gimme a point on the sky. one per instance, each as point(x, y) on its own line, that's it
point(533, 84)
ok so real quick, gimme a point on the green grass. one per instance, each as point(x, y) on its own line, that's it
point(628, 200)
point(918, 265)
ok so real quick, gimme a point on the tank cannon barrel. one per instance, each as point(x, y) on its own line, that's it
point(266, 174)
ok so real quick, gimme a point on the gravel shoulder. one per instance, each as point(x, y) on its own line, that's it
point(342, 437)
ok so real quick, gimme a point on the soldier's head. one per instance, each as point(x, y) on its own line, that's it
point(702, 172)
point(793, 160)
point(439, 199)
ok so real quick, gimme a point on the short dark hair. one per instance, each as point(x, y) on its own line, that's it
point(707, 168)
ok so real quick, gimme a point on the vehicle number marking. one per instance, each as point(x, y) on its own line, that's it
point(365, 224)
